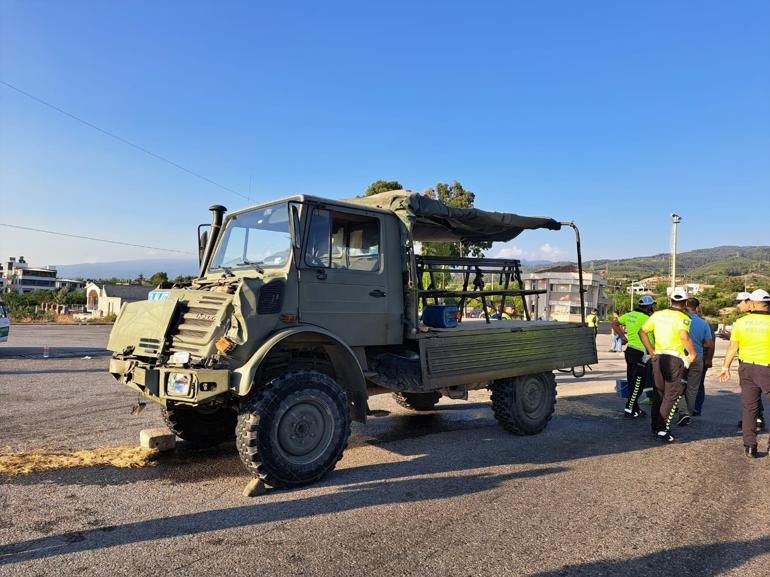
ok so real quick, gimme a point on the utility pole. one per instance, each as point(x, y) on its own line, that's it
point(675, 220)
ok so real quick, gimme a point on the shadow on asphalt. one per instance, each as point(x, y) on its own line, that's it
point(52, 371)
point(360, 496)
point(585, 426)
point(688, 561)
point(53, 352)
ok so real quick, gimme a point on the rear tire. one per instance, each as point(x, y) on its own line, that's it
point(203, 426)
point(417, 401)
point(524, 405)
point(292, 431)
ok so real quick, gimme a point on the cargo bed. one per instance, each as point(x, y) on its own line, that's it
point(475, 351)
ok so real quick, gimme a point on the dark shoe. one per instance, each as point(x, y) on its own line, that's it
point(684, 420)
point(664, 437)
point(760, 423)
point(751, 452)
point(740, 425)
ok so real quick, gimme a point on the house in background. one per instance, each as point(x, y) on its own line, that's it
point(107, 299)
point(561, 301)
point(17, 276)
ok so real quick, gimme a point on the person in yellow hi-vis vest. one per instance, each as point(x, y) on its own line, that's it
point(750, 339)
point(636, 357)
point(592, 321)
point(671, 356)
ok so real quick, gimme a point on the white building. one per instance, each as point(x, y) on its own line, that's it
point(561, 301)
point(18, 276)
point(107, 299)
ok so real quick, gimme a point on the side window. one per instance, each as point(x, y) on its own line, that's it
point(362, 241)
point(343, 241)
point(317, 250)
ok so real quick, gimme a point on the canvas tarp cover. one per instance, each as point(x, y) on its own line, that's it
point(432, 220)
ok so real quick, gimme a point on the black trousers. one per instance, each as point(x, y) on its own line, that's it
point(636, 373)
point(755, 380)
point(669, 374)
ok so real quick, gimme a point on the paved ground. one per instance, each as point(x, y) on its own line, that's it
point(447, 493)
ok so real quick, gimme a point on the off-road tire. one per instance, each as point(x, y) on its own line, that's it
point(524, 405)
point(203, 426)
point(281, 419)
point(401, 370)
point(417, 401)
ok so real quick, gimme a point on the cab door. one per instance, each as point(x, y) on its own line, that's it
point(343, 276)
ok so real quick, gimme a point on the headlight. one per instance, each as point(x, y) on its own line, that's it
point(179, 384)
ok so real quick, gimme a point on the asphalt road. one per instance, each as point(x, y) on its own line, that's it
point(445, 493)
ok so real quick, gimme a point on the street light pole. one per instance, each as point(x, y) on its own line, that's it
point(675, 220)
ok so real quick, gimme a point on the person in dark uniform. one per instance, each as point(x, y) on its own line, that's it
point(671, 354)
point(750, 339)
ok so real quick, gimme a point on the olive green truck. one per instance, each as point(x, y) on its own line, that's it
point(305, 307)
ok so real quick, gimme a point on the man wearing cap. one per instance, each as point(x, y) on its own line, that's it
point(745, 306)
point(636, 363)
point(750, 339)
point(744, 302)
point(671, 354)
point(700, 333)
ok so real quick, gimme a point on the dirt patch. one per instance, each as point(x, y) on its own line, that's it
point(44, 460)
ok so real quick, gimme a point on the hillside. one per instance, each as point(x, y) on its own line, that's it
point(129, 269)
point(697, 265)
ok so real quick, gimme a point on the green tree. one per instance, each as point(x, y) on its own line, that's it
point(184, 279)
point(160, 279)
point(60, 296)
point(456, 196)
point(379, 186)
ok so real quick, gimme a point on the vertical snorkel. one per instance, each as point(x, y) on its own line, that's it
point(217, 216)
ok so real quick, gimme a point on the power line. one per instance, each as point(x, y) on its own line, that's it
point(121, 139)
point(94, 239)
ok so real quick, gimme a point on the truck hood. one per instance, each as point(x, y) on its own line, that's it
point(186, 320)
point(141, 327)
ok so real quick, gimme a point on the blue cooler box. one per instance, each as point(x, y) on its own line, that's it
point(440, 316)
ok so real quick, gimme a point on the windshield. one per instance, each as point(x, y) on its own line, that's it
point(258, 238)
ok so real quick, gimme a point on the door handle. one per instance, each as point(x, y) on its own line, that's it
point(320, 274)
point(377, 293)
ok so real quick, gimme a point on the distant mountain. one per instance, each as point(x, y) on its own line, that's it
point(700, 264)
point(129, 269)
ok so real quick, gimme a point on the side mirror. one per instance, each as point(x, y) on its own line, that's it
point(203, 240)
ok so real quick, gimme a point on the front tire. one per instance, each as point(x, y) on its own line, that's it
point(524, 405)
point(292, 431)
point(204, 426)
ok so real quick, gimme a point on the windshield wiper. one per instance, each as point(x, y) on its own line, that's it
point(255, 264)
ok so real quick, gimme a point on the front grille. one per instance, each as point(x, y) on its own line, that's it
point(149, 346)
point(198, 320)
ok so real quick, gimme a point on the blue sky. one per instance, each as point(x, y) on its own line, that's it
point(614, 114)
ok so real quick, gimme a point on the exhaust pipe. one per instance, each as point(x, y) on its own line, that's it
point(217, 216)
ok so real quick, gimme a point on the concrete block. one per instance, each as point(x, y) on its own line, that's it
point(255, 488)
point(160, 439)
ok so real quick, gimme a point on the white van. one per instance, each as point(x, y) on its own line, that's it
point(5, 324)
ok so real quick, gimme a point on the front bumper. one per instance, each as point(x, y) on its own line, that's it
point(153, 382)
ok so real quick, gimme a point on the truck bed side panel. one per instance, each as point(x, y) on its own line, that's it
point(466, 357)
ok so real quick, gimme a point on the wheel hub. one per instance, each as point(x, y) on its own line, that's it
point(532, 396)
point(304, 430)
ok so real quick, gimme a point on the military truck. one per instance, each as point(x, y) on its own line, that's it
point(305, 307)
